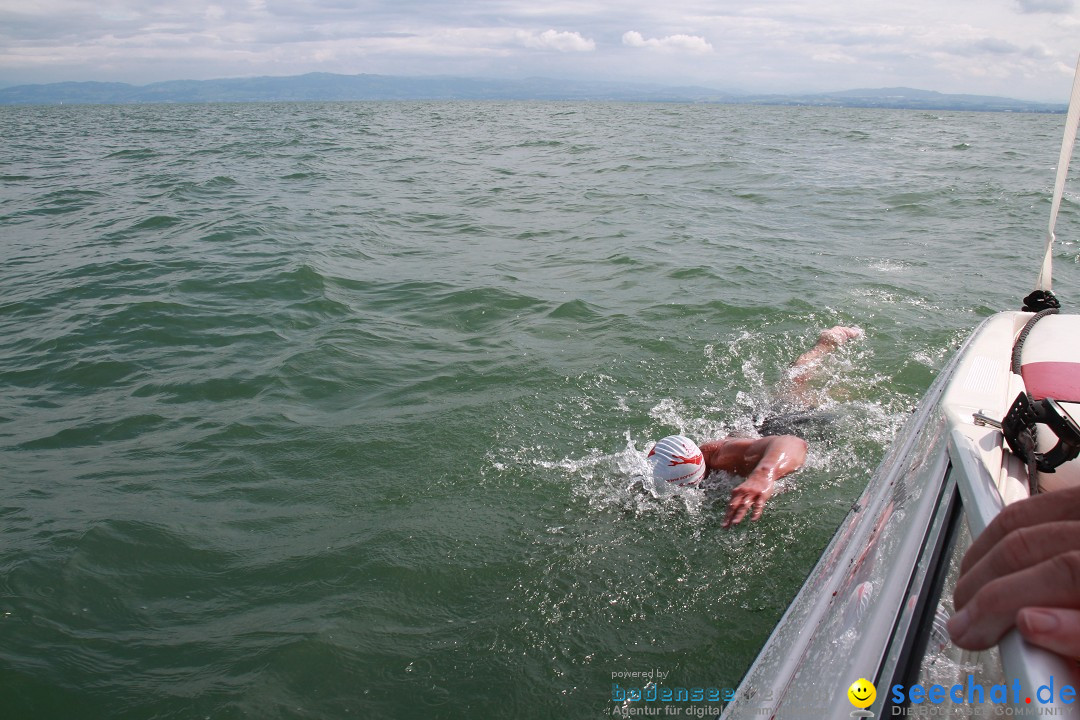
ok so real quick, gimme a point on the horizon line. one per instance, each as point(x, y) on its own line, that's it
point(648, 90)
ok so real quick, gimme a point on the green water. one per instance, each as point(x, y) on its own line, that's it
point(336, 410)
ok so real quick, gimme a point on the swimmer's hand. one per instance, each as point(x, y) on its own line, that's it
point(762, 461)
point(750, 495)
point(838, 335)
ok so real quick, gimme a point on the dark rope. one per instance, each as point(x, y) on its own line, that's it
point(1018, 346)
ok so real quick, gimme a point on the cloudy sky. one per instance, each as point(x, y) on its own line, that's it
point(1018, 48)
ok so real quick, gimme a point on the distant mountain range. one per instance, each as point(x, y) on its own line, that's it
point(330, 87)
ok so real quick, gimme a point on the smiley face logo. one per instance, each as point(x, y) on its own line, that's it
point(862, 693)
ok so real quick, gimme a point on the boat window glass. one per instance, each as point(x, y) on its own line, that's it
point(944, 663)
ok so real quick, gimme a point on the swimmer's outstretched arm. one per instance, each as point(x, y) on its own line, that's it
point(802, 369)
point(761, 461)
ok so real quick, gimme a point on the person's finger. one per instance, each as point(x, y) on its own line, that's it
point(1048, 507)
point(1018, 550)
point(759, 507)
point(831, 337)
point(734, 515)
point(737, 509)
point(1056, 629)
point(993, 609)
point(848, 333)
point(730, 514)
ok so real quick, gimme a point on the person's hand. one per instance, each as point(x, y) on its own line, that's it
point(750, 495)
point(1024, 572)
point(838, 335)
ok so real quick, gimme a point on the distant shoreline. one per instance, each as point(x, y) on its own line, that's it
point(326, 87)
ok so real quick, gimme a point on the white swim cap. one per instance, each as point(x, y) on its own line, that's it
point(677, 460)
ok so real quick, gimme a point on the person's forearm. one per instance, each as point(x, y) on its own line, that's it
point(828, 341)
point(810, 356)
point(783, 455)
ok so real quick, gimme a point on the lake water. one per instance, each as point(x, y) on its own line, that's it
point(337, 410)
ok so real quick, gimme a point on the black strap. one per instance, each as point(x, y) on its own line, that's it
point(1018, 427)
point(1040, 300)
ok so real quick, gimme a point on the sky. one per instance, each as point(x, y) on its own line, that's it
point(1025, 49)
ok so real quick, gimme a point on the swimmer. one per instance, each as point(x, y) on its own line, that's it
point(762, 461)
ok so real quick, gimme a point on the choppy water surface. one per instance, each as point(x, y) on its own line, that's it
point(317, 411)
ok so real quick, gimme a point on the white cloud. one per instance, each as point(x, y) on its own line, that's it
point(834, 57)
point(554, 40)
point(1025, 47)
point(1045, 6)
point(996, 46)
point(687, 43)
